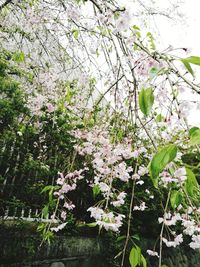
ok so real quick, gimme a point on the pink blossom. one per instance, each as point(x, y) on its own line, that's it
point(50, 108)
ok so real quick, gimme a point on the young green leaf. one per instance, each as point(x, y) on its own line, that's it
point(151, 40)
point(159, 118)
point(48, 236)
point(193, 60)
point(191, 182)
point(45, 212)
point(194, 136)
point(96, 190)
point(153, 72)
point(175, 199)
point(136, 236)
point(192, 130)
point(190, 60)
point(135, 256)
point(146, 100)
point(187, 66)
point(94, 224)
point(143, 261)
point(75, 33)
point(160, 160)
point(120, 238)
point(47, 188)
point(18, 56)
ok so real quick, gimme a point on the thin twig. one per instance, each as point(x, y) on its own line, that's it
point(129, 222)
point(162, 228)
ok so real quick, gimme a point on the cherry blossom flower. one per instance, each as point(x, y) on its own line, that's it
point(50, 108)
point(142, 207)
point(120, 200)
point(69, 205)
point(107, 220)
point(177, 241)
point(152, 253)
point(180, 174)
point(123, 22)
point(170, 219)
point(59, 227)
point(195, 244)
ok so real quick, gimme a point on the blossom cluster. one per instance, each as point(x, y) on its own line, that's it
point(178, 177)
point(66, 184)
point(186, 219)
point(106, 220)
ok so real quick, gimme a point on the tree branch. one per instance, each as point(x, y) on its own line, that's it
point(97, 5)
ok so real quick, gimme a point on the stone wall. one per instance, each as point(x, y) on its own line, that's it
point(18, 250)
point(177, 257)
point(62, 252)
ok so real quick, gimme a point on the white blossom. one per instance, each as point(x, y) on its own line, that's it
point(177, 241)
point(152, 253)
point(195, 244)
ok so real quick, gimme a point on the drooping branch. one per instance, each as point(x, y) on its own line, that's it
point(97, 5)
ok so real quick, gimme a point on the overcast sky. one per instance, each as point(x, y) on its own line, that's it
point(181, 32)
point(185, 34)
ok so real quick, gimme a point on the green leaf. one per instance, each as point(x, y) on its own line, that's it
point(91, 225)
point(120, 238)
point(164, 265)
point(47, 188)
point(96, 190)
point(151, 40)
point(153, 72)
point(94, 224)
point(41, 227)
point(146, 100)
point(45, 211)
point(192, 130)
point(159, 118)
point(135, 27)
point(50, 188)
point(48, 236)
point(194, 136)
point(191, 182)
point(175, 198)
point(143, 261)
point(18, 56)
point(75, 33)
point(136, 31)
point(193, 60)
point(160, 160)
point(135, 256)
point(198, 156)
point(136, 236)
point(187, 66)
